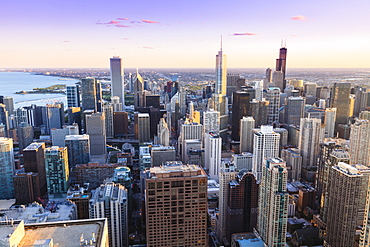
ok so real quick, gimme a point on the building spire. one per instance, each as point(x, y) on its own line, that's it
point(221, 43)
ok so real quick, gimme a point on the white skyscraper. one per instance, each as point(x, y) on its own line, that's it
point(273, 96)
point(330, 115)
point(211, 121)
point(247, 125)
point(266, 145)
point(163, 133)
point(116, 72)
point(221, 73)
point(311, 134)
point(360, 142)
point(212, 153)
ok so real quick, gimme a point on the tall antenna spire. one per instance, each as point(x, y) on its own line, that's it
point(285, 43)
point(282, 42)
point(221, 43)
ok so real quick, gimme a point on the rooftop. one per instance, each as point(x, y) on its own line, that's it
point(176, 170)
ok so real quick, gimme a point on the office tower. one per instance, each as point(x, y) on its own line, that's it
point(311, 134)
point(58, 135)
point(361, 98)
point(266, 145)
point(293, 161)
point(227, 174)
point(278, 80)
point(116, 74)
point(73, 95)
point(221, 73)
point(78, 195)
point(163, 133)
point(273, 203)
point(25, 135)
point(212, 154)
point(293, 110)
point(138, 90)
point(211, 121)
point(346, 198)
point(52, 116)
point(78, 147)
point(189, 146)
point(190, 131)
point(161, 154)
point(234, 83)
point(57, 170)
point(7, 168)
point(240, 108)
point(247, 124)
point(20, 116)
point(26, 188)
point(152, 101)
point(89, 94)
point(259, 111)
point(310, 89)
point(242, 204)
point(281, 63)
point(95, 128)
point(273, 96)
point(268, 79)
point(330, 116)
point(74, 116)
point(4, 118)
point(360, 142)
point(94, 173)
point(187, 224)
point(120, 124)
point(110, 201)
point(108, 111)
point(340, 100)
point(9, 104)
point(115, 103)
point(34, 161)
point(142, 127)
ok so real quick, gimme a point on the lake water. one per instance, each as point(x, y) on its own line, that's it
point(11, 82)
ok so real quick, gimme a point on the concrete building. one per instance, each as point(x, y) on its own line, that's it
point(293, 110)
point(212, 154)
point(73, 95)
point(58, 135)
point(211, 121)
point(273, 203)
point(187, 225)
point(142, 127)
point(161, 154)
point(25, 135)
point(243, 161)
point(108, 112)
point(273, 96)
point(247, 124)
point(110, 201)
point(293, 161)
point(95, 128)
point(330, 116)
point(7, 168)
point(116, 74)
point(163, 133)
point(78, 147)
point(360, 142)
point(120, 124)
point(94, 173)
point(57, 170)
point(26, 187)
point(266, 145)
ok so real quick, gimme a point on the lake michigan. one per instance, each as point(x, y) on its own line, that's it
point(11, 82)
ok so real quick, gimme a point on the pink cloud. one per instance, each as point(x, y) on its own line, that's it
point(120, 25)
point(244, 34)
point(112, 22)
point(65, 41)
point(123, 19)
point(298, 18)
point(148, 47)
point(147, 21)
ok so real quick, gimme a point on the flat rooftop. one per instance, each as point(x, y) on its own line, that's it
point(176, 171)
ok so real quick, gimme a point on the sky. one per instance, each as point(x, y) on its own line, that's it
point(183, 33)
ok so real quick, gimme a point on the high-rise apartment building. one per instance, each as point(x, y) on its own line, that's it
point(4, 120)
point(95, 128)
point(108, 111)
point(161, 154)
point(247, 124)
point(311, 134)
point(142, 127)
point(360, 142)
point(73, 95)
point(110, 201)
point(293, 161)
point(78, 149)
point(57, 170)
point(26, 187)
point(330, 116)
point(273, 96)
point(178, 219)
point(25, 135)
point(266, 145)
point(259, 111)
point(7, 168)
point(273, 203)
point(116, 74)
point(212, 154)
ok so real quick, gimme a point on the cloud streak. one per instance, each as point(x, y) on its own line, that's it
point(120, 25)
point(123, 19)
point(298, 18)
point(148, 47)
point(148, 21)
point(244, 34)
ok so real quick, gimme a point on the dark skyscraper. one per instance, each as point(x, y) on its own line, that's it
point(281, 62)
point(240, 109)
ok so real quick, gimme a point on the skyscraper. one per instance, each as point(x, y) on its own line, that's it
point(110, 201)
point(211, 121)
point(7, 168)
point(108, 111)
point(266, 145)
point(340, 100)
point(360, 142)
point(78, 147)
point(221, 73)
point(293, 110)
point(163, 133)
point(88, 90)
point(183, 216)
point(95, 128)
point(142, 127)
point(273, 203)
point(73, 95)
point(212, 154)
point(247, 124)
point(25, 135)
point(273, 96)
point(330, 116)
point(281, 63)
point(116, 73)
point(57, 170)
point(240, 108)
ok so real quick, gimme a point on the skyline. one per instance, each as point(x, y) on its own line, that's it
point(146, 34)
